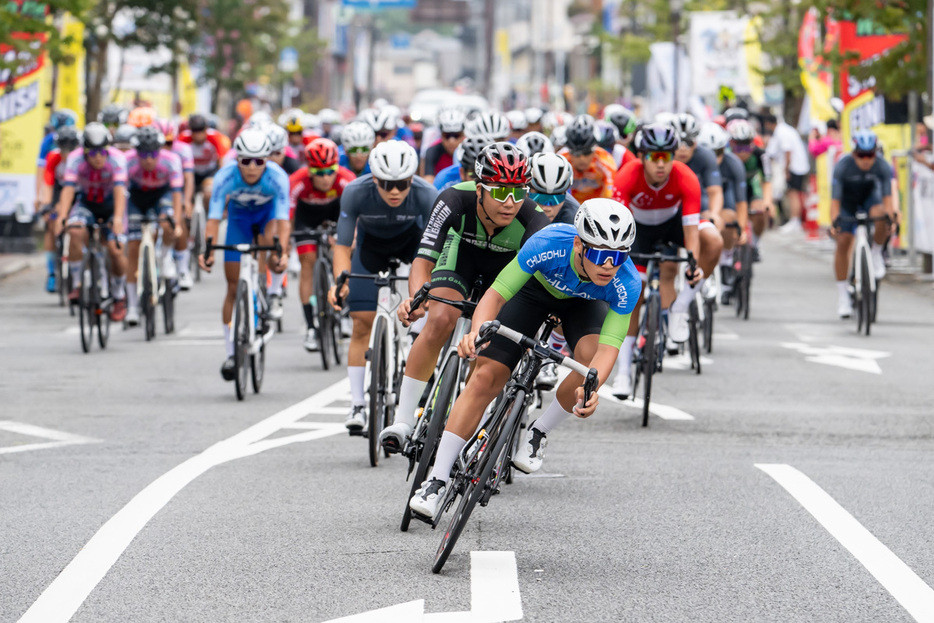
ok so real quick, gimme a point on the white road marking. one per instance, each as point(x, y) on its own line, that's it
point(858, 359)
point(665, 412)
point(725, 335)
point(57, 438)
point(494, 597)
point(68, 591)
point(894, 575)
point(683, 361)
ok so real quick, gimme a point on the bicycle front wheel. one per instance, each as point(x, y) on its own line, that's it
point(85, 302)
point(241, 339)
point(198, 244)
point(693, 337)
point(866, 295)
point(379, 387)
point(322, 314)
point(168, 307)
point(709, 309)
point(146, 307)
point(746, 255)
point(650, 353)
point(103, 315)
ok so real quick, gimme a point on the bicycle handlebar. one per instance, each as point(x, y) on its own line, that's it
point(658, 256)
point(210, 247)
point(540, 350)
point(466, 306)
point(380, 279)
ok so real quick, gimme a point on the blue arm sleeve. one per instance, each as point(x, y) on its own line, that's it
point(281, 207)
point(222, 182)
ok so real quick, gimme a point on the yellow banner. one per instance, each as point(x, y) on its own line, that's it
point(187, 90)
point(70, 89)
point(162, 102)
point(753, 49)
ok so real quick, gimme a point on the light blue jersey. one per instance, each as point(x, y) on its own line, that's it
point(448, 176)
point(230, 191)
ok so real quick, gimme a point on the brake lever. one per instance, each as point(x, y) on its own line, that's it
point(341, 280)
point(487, 330)
point(590, 385)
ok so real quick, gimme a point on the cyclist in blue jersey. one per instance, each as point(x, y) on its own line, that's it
point(465, 156)
point(255, 194)
point(59, 119)
point(584, 276)
point(357, 140)
point(382, 216)
point(552, 178)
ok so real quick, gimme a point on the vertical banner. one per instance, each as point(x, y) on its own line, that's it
point(70, 90)
point(23, 115)
point(187, 90)
point(718, 53)
point(815, 76)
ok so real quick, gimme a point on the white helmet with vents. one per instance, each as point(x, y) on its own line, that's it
point(393, 160)
point(605, 223)
point(551, 174)
point(253, 143)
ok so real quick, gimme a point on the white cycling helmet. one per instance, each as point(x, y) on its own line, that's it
point(451, 120)
point(687, 126)
point(550, 121)
point(380, 120)
point(533, 114)
point(551, 174)
point(253, 143)
point(605, 223)
point(712, 136)
point(741, 130)
point(517, 120)
point(491, 124)
point(535, 143)
point(278, 138)
point(358, 134)
point(393, 160)
point(259, 119)
point(310, 121)
point(559, 136)
point(329, 116)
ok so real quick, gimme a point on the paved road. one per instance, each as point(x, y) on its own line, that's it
point(687, 520)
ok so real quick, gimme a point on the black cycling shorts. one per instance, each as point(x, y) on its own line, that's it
point(200, 177)
point(647, 236)
point(463, 265)
point(371, 256)
point(530, 307)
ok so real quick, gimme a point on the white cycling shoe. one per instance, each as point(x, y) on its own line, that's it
point(428, 498)
point(530, 455)
point(394, 436)
point(678, 329)
point(622, 388)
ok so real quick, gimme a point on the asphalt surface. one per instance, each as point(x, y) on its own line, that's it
point(671, 523)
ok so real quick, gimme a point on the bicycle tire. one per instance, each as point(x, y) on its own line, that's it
point(145, 300)
point(85, 320)
point(693, 337)
point(437, 412)
point(198, 244)
point(379, 373)
point(241, 339)
point(475, 488)
point(650, 352)
point(866, 294)
point(168, 308)
point(103, 315)
point(709, 309)
point(258, 368)
point(323, 319)
point(60, 285)
point(746, 254)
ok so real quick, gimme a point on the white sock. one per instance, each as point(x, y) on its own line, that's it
point(557, 341)
point(182, 260)
point(552, 417)
point(132, 300)
point(843, 289)
point(74, 269)
point(410, 392)
point(275, 285)
point(119, 287)
point(755, 238)
point(726, 257)
point(624, 359)
point(357, 376)
point(448, 449)
point(686, 295)
point(228, 340)
point(876, 248)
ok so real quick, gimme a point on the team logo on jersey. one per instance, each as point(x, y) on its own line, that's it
point(545, 256)
point(643, 201)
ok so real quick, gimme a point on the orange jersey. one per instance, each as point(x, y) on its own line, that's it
point(597, 180)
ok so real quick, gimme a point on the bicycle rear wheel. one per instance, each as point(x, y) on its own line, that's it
point(650, 352)
point(146, 307)
point(693, 337)
point(710, 306)
point(866, 295)
point(103, 315)
point(379, 381)
point(85, 301)
point(241, 339)
point(746, 255)
point(258, 368)
point(322, 315)
point(476, 481)
point(437, 413)
point(168, 307)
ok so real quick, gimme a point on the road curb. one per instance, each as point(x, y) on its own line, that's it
point(18, 265)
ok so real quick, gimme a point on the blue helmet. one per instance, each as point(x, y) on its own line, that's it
point(865, 140)
point(62, 118)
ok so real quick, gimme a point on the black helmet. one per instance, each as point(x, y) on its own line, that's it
point(148, 139)
point(124, 134)
point(503, 164)
point(96, 136)
point(607, 135)
point(67, 139)
point(197, 123)
point(113, 114)
point(658, 137)
point(622, 118)
point(470, 149)
point(731, 114)
point(581, 136)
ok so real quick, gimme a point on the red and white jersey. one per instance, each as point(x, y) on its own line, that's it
point(208, 154)
point(651, 205)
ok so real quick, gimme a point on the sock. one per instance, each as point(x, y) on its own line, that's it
point(275, 286)
point(74, 269)
point(50, 261)
point(843, 289)
point(755, 238)
point(309, 312)
point(624, 359)
point(685, 296)
point(410, 392)
point(726, 257)
point(876, 248)
point(182, 260)
point(119, 287)
point(557, 341)
point(448, 449)
point(313, 300)
point(228, 340)
point(552, 417)
point(132, 300)
point(357, 376)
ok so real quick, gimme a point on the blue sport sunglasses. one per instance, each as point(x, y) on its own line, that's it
point(600, 256)
point(544, 199)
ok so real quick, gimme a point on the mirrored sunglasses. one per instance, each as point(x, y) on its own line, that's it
point(245, 162)
point(502, 193)
point(322, 171)
point(358, 150)
point(390, 185)
point(452, 135)
point(864, 155)
point(544, 199)
point(143, 155)
point(90, 153)
point(659, 156)
point(600, 256)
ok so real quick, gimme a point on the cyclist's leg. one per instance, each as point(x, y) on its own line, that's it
point(166, 212)
point(361, 301)
point(307, 256)
point(268, 227)
point(841, 261)
point(77, 222)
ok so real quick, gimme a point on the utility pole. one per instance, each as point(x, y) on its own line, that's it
point(488, 8)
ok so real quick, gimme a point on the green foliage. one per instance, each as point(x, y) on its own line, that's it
point(29, 17)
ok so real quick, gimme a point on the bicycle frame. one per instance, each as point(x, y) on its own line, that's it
point(862, 253)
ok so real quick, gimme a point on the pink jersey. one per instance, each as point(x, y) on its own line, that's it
point(96, 185)
point(184, 152)
point(167, 172)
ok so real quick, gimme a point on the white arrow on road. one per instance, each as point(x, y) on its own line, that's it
point(494, 597)
point(56, 438)
point(858, 359)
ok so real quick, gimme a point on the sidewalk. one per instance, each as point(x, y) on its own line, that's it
point(13, 263)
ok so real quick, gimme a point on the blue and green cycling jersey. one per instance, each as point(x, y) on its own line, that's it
point(549, 255)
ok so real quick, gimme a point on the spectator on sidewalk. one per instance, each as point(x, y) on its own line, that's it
point(785, 144)
point(818, 144)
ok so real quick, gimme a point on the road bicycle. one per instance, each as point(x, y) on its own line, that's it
point(487, 457)
point(386, 355)
point(196, 233)
point(864, 289)
point(154, 290)
point(251, 327)
point(94, 297)
point(60, 264)
point(327, 319)
point(743, 256)
point(649, 352)
point(446, 386)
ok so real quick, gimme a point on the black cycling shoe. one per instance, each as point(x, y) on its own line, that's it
point(229, 369)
